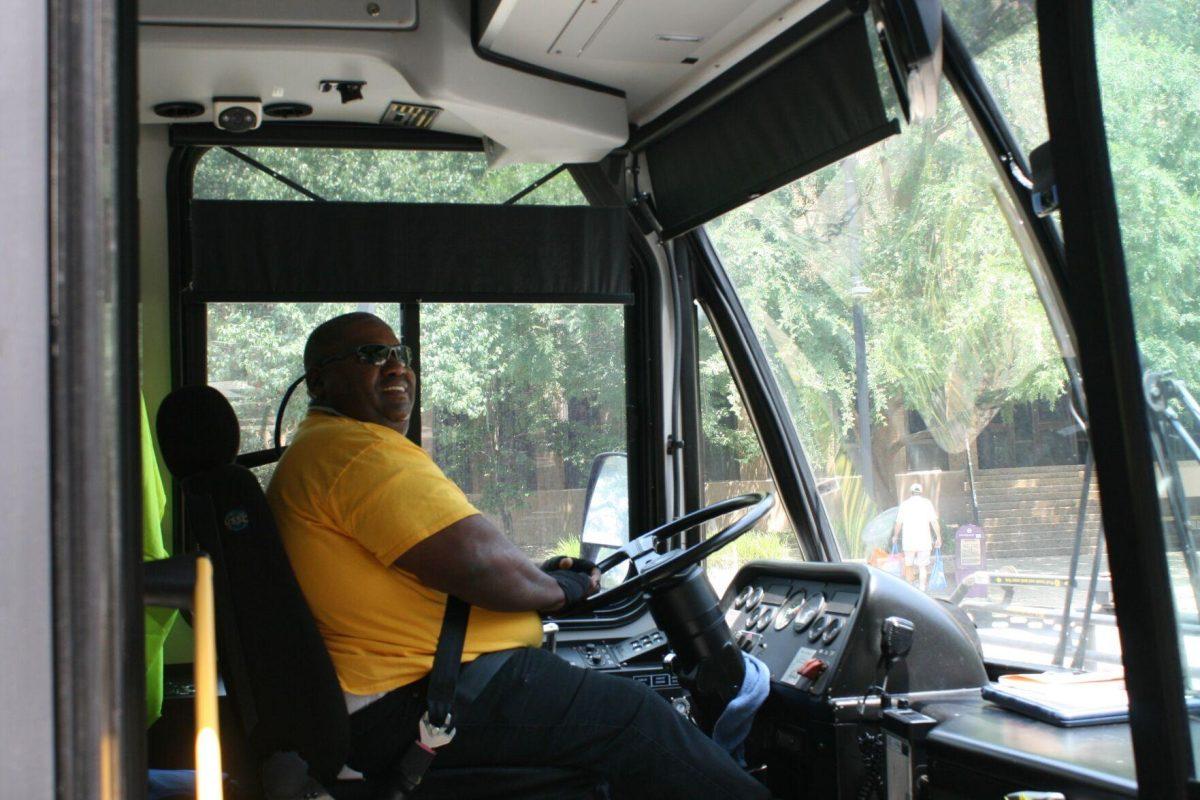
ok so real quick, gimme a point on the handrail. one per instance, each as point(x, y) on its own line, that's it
point(208, 737)
point(186, 582)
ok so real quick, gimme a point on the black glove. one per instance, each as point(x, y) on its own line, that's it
point(577, 564)
point(574, 584)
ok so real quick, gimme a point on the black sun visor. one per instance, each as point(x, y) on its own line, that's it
point(813, 108)
point(279, 251)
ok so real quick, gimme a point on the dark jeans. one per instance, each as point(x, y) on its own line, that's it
point(539, 711)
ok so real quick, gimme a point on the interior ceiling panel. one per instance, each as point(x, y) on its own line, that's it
point(177, 65)
point(399, 15)
point(666, 31)
point(638, 46)
point(524, 117)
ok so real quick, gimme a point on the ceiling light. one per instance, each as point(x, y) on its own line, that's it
point(691, 38)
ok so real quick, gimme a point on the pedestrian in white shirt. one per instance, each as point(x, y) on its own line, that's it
point(918, 531)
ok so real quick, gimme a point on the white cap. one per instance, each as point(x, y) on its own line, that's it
point(916, 488)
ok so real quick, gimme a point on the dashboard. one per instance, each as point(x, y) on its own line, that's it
point(817, 628)
point(824, 732)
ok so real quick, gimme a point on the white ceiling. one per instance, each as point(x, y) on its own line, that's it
point(633, 45)
point(639, 45)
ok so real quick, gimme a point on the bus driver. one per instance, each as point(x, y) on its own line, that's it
point(378, 536)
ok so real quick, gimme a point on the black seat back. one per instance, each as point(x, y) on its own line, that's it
point(274, 663)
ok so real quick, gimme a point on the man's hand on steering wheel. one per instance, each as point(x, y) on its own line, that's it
point(577, 577)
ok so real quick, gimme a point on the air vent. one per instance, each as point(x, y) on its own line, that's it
point(179, 109)
point(288, 110)
point(409, 115)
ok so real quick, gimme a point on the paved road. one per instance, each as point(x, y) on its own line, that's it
point(1028, 627)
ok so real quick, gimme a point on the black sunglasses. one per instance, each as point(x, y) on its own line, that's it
point(376, 354)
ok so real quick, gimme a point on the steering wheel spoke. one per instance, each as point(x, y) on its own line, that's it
point(654, 567)
point(633, 550)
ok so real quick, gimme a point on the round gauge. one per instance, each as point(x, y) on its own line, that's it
point(786, 614)
point(743, 596)
point(764, 619)
point(811, 609)
point(832, 629)
point(818, 628)
point(752, 618)
point(755, 598)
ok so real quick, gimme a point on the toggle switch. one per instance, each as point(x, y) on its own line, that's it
point(813, 669)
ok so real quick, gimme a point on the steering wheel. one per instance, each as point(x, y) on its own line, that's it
point(656, 566)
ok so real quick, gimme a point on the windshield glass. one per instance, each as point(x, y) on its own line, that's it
point(923, 379)
point(1002, 40)
point(373, 176)
point(1148, 58)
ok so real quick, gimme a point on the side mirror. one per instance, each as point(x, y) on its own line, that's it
point(606, 513)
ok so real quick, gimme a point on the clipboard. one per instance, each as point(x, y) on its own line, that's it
point(1055, 714)
point(1064, 699)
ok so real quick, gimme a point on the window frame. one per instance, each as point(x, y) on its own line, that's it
point(1101, 308)
point(642, 332)
point(795, 483)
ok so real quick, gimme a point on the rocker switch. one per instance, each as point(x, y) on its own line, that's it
point(813, 669)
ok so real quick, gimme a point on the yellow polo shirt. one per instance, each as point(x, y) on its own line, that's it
point(349, 498)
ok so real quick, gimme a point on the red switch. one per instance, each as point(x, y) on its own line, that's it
point(813, 668)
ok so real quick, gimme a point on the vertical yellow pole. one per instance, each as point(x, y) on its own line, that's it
point(208, 741)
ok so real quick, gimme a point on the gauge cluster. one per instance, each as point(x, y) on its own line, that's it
point(818, 628)
point(795, 626)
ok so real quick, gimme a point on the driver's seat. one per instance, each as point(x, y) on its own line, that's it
point(273, 661)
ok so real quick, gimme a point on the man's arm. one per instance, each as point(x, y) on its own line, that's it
point(474, 561)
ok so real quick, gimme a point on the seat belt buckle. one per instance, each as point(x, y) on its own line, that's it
point(435, 736)
point(409, 773)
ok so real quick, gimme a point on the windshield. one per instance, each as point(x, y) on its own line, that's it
point(395, 176)
point(922, 376)
point(1148, 59)
point(1003, 43)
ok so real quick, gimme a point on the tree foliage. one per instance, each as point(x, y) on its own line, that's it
point(911, 228)
point(955, 330)
point(505, 387)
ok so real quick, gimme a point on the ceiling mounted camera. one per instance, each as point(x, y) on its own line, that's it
point(237, 114)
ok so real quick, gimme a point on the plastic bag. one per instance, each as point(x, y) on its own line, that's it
point(893, 563)
point(937, 575)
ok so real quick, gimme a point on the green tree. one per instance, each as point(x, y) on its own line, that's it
point(502, 385)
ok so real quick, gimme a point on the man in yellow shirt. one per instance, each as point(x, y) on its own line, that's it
point(378, 536)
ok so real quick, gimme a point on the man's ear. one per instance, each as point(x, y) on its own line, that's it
point(315, 383)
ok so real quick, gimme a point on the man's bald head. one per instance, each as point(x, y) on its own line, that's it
point(329, 338)
point(353, 386)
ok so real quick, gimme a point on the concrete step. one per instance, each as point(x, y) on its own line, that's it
point(1026, 542)
point(1041, 531)
point(1032, 493)
point(1053, 469)
point(1033, 541)
point(1038, 515)
point(1002, 551)
point(1018, 504)
point(1036, 525)
point(1075, 478)
point(993, 520)
point(1072, 490)
point(1008, 520)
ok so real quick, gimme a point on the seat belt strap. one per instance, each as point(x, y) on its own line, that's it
point(436, 727)
point(447, 659)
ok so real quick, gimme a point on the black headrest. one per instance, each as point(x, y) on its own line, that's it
point(197, 430)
